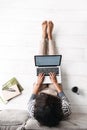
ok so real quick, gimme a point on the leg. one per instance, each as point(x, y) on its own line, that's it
point(51, 50)
point(43, 48)
point(43, 44)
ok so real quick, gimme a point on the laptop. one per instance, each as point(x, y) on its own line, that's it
point(46, 64)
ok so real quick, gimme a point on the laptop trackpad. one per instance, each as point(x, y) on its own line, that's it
point(48, 81)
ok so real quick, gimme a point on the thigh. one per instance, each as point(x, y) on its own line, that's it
point(53, 90)
point(51, 86)
point(50, 89)
point(43, 87)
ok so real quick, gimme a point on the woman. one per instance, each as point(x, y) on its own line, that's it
point(48, 103)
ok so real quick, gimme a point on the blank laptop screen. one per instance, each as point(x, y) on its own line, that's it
point(47, 60)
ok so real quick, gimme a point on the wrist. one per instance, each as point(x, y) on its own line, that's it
point(55, 84)
point(37, 84)
point(58, 88)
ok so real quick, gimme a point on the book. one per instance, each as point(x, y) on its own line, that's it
point(11, 89)
point(11, 92)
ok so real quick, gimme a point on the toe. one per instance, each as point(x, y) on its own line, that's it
point(45, 22)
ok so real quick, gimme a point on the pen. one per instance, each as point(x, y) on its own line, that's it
point(11, 90)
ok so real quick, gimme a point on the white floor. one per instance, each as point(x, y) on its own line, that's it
point(20, 33)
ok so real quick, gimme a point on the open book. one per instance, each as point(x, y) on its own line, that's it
point(11, 89)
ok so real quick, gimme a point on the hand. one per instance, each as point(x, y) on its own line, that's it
point(40, 78)
point(53, 77)
point(55, 82)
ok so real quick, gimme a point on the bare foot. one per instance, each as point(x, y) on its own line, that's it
point(50, 29)
point(44, 29)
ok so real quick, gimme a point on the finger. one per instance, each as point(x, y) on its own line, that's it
point(54, 74)
point(40, 74)
point(50, 73)
point(43, 75)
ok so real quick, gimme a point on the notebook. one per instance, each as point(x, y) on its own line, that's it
point(48, 63)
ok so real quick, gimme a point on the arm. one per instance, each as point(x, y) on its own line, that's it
point(55, 82)
point(31, 102)
point(66, 107)
point(38, 84)
point(65, 102)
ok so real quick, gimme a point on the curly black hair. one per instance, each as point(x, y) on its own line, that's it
point(48, 110)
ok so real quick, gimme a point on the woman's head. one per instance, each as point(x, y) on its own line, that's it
point(48, 110)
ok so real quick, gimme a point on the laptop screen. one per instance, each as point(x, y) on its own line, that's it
point(47, 60)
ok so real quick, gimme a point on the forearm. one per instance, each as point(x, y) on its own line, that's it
point(36, 88)
point(58, 87)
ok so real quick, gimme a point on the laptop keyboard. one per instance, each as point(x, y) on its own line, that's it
point(46, 71)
